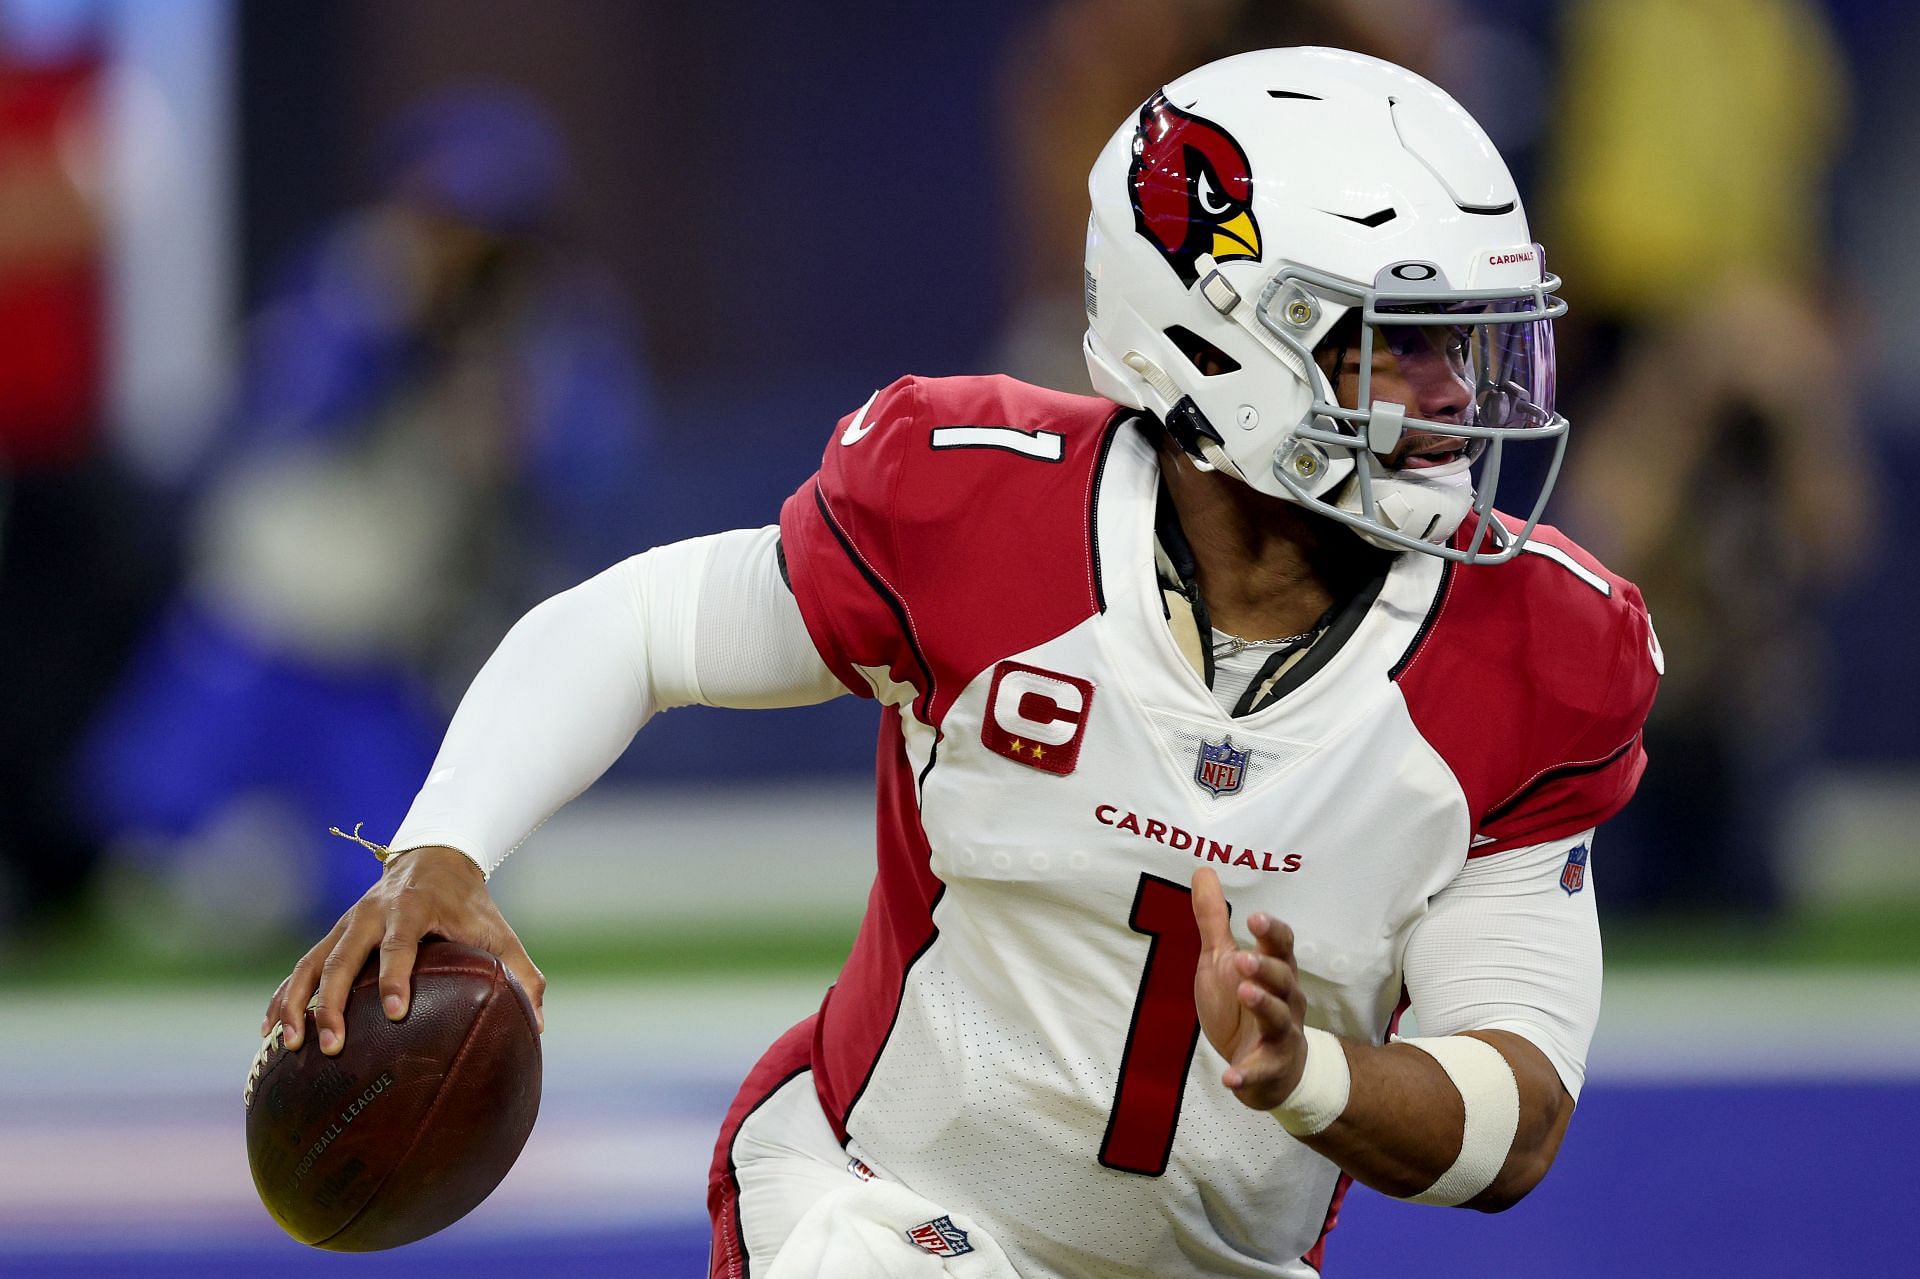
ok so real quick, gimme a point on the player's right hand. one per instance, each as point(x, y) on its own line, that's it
point(1249, 1000)
point(426, 891)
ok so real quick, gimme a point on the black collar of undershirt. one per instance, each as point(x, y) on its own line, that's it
point(1328, 636)
point(1173, 545)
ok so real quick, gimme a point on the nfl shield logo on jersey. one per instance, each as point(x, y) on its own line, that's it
point(1221, 768)
point(1573, 876)
point(940, 1238)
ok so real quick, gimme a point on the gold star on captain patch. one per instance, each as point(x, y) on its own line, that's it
point(1039, 751)
point(1015, 748)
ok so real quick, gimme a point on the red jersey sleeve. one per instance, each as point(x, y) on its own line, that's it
point(854, 613)
point(1533, 682)
point(1605, 758)
point(949, 525)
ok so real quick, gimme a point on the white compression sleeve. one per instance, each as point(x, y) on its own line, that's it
point(707, 621)
point(1505, 947)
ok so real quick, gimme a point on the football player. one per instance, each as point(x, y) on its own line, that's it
point(1224, 717)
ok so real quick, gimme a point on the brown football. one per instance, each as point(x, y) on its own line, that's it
point(414, 1123)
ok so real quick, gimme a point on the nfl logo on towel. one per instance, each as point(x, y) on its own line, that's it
point(1573, 876)
point(940, 1238)
point(1221, 769)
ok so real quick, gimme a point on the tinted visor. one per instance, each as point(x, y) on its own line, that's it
point(1485, 363)
point(1446, 375)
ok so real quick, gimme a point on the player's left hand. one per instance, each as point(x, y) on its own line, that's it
point(1250, 1002)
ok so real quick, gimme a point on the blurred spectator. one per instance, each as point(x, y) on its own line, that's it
point(1717, 460)
point(1694, 147)
point(441, 420)
point(81, 556)
point(1723, 473)
point(50, 268)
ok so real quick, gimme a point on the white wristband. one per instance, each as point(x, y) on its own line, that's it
point(1491, 1096)
point(1321, 1095)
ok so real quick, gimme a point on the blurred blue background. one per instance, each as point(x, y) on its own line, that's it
point(333, 337)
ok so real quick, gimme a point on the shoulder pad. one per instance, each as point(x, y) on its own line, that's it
point(1533, 679)
point(948, 526)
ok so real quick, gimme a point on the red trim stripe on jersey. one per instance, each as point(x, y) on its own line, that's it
point(860, 1012)
point(1316, 1256)
point(894, 603)
point(789, 1058)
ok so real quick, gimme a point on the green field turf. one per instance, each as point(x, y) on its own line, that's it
point(84, 950)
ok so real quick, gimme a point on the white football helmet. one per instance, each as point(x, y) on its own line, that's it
point(1253, 206)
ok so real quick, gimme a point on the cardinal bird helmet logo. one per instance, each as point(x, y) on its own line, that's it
point(1192, 189)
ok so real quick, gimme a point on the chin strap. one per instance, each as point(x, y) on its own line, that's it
point(1184, 421)
point(1192, 432)
point(1427, 507)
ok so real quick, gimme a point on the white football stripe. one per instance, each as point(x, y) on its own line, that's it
point(1572, 565)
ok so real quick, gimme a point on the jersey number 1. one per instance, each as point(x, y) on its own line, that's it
point(1164, 1034)
point(1041, 446)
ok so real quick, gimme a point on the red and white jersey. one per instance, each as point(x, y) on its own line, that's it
point(1014, 1034)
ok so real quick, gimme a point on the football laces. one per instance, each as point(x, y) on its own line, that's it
point(267, 1045)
